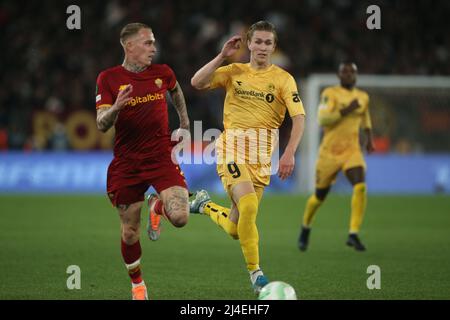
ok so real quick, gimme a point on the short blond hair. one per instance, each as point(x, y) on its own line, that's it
point(130, 30)
point(262, 26)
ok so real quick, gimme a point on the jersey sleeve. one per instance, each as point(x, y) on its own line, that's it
point(366, 121)
point(103, 94)
point(328, 111)
point(221, 77)
point(291, 98)
point(171, 79)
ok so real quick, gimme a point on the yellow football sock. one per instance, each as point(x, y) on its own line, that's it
point(359, 201)
point(312, 205)
point(221, 216)
point(247, 230)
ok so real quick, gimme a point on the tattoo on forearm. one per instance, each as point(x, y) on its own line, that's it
point(180, 103)
point(106, 118)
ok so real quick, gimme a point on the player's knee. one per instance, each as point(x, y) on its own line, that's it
point(179, 219)
point(130, 234)
point(321, 194)
point(248, 206)
point(235, 236)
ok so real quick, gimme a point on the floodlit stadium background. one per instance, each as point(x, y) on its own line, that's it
point(48, 137)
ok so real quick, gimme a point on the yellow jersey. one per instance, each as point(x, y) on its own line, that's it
point(341, 134)
point(255, 99)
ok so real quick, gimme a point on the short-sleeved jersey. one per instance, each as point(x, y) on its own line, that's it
point(341, 134)
point(256, 99)
point(142, 126)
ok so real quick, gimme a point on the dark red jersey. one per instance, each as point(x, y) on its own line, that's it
point(142, 127)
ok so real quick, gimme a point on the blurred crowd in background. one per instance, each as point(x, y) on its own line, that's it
point(51, 70)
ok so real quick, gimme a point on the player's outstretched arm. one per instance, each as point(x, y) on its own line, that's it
point(106, 117)
point(287, 160)
point(202, 78)
point(180, 105)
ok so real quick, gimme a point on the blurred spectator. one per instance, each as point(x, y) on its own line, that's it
point(58, 140)
point(16, 138)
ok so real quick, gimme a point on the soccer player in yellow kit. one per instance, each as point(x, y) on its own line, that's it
point(258, 94)
point(343, 110)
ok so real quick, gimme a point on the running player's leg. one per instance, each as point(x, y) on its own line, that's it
point(313, 204)
point(128, 201)
point(224, 217)
point(326, 171)
point(356, 177)
point(246, 199)
point(239, 185)
point(172, 202)
point(176, 205)
point(227, 218)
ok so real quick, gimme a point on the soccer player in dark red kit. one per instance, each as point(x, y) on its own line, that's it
point(132, 98)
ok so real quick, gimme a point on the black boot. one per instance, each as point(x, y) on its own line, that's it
point(353, 241)
point(304, 238)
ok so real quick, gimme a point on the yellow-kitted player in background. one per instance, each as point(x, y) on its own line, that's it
point(343, 110)
point(258, 94)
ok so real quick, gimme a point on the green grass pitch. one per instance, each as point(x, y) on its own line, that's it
point(408, 237)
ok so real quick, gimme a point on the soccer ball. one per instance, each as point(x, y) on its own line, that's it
point(277, 290)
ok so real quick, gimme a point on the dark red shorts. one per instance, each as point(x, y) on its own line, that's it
point(128, 180)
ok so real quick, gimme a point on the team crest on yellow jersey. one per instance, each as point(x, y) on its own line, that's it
point(271, 87)
point(159, 82)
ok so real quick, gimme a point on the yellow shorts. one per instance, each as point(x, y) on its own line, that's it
point(328, 166)
point(232, 173)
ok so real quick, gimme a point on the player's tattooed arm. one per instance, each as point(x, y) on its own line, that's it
point(180, 105)
point(106, 117)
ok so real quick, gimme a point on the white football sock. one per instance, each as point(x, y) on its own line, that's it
point(134, 285)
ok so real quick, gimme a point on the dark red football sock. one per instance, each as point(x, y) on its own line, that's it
point(159, 208)
point(131, 254)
